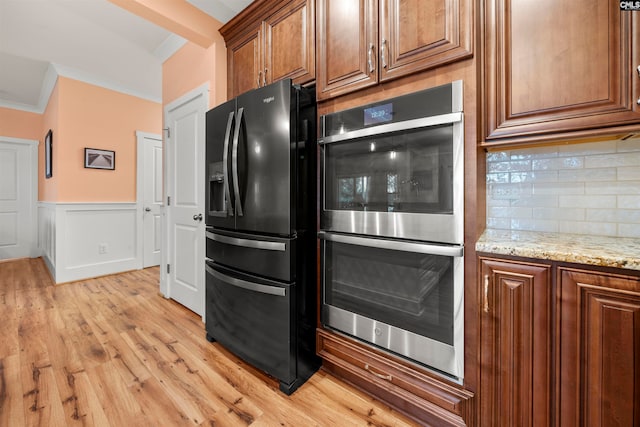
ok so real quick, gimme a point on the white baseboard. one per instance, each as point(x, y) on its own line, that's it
point(84, 240)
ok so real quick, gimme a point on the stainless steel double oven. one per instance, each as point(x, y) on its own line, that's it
point(392, 217)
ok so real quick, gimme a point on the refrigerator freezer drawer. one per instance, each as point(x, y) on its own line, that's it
point(270, 257)
point(253, 318)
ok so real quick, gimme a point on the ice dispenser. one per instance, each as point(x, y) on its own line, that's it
point(217, 205)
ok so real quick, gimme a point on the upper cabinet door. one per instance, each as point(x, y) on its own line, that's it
point(557, 69)
point(290, 42)
point(347, 46)
point(243, 64)
point(420, 34)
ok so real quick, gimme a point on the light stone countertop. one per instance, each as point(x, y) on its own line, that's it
point(604, 251)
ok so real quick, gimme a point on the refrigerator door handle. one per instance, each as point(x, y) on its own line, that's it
point(225, 169)
point(256, 287)
point(246, 243)
point(234, 162)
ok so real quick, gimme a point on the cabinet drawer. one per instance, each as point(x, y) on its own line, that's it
point(398, 383)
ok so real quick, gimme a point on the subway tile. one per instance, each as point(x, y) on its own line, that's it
point(629, 202)
point(586, 175)
point(586, 201)
point(501, 177)
point(629, 230)
point(520, 165)
point(613, 160)
point(535, 153)
point(622, 187)
point(509, 212)
point(536, 201)
point(498, 202)
point(558, 188)
point(537, 176)
point(632, 144)
point(558, 163)
point(628, 173)
point(631, 216)
point(534, 225)
point(499, 223)
point(586, 227)
point(509, 191)
point(497, 156)
point(558, 214)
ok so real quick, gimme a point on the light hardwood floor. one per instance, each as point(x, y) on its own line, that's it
point(112, 351)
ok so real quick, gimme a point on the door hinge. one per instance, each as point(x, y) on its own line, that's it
point(168, 131)
point(168, 268)
point(168, 200)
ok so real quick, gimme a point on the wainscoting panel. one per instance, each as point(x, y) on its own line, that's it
point(83, 240)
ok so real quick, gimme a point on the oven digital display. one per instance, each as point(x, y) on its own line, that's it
point(378, 114)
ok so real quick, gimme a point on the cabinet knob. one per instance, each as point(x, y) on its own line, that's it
point(638, 70)
point(264, 78)
point(370, 58)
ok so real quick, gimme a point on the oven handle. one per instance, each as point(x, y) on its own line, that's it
point(394, 127)
point(421, 248)
point(246, 243)
point(250, 286)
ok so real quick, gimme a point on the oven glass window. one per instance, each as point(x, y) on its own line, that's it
point(409, 171)
point(411, 291)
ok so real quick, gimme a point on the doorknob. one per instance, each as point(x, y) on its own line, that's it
point(147, 209)
point(197, 217)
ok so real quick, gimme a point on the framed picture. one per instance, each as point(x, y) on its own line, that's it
point(99, 159)
point(48, 153)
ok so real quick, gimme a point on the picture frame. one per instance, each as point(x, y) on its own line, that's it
point(95, 158)
point(48, 155)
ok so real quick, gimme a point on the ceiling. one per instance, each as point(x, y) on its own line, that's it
point(89, 40)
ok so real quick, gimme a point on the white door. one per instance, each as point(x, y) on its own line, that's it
point(18, 189)
point(150, 196)
point(185, 161)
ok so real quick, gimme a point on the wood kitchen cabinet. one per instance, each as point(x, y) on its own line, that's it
point(399, 383)
point(598, 341)
point(515, 353)
point(270, 41)
point(557, 69)
point(361, 43)
point(559, 345)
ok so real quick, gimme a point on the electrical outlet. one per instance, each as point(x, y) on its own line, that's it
point(103, 248)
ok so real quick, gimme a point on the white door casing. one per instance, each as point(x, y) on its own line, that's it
point(149, 197)
point(18, 197)
point(184, 121)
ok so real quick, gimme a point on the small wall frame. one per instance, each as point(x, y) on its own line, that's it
point(99, 159)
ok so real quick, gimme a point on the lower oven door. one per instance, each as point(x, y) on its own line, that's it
point(406, 297)
point(252, 318)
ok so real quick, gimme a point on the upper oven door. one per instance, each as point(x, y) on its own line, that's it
point(400, 180)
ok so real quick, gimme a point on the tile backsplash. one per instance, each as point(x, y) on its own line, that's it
point(589, 188)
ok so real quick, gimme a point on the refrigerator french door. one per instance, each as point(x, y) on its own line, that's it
point(251, 161)
point(261, 252)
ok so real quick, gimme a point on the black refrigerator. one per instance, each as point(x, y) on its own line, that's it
point(260, 227)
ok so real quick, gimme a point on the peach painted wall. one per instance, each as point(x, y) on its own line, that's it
point(48, 187)
point(192, 66)
point(94, 117)
point(20, 124)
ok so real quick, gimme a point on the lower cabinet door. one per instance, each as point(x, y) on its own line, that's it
point(515, 343)
point(252, 317)
point(598, 370)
